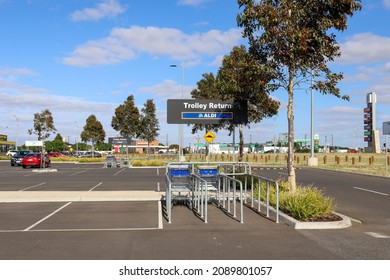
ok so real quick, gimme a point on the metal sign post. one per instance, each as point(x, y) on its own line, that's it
point(386, 131)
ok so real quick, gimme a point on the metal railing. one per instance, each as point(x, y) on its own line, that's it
point(228, 195)
point(229, 190)
point(268, 184)
point(200, 196)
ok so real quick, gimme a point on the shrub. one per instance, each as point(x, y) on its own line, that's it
point(307, 203)
point(147, 163)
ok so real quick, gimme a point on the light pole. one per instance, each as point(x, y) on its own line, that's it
point(180, 125)
point(312, 161)
point(17, 128)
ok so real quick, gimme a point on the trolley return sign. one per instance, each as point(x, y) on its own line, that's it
point(201, 111)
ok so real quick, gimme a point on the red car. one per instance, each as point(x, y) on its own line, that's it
point(34, 160)
point(55, 154)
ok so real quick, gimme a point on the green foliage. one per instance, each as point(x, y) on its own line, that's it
point(127, 119)
point(90, 160)
point(43, 125)
point(93, 131)
point(307, 203)
point(148, 163)
point(149, 123)
point(296, 40)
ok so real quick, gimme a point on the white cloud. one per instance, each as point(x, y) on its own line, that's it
point(386, 3)
point(192, 2)
point(14, 87)
point(106, 8)
point(168, 89)
point(365, 48)
point(124, 43)
point(10, 72)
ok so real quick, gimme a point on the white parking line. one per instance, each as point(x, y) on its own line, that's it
point(78, 229)
point(96, 186)
point(371, 191)
point(377, 235)
point(48, 216)
point(160, 215)
point(119, 172)
point(32, 187)
point(79, 172)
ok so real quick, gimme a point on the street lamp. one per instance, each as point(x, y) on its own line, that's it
point(312, 161)
point(17, 128)
point(180, 125)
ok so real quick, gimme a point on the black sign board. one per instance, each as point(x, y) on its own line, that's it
point(203, 111)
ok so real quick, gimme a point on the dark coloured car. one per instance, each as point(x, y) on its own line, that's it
point(35, 159)
point(16, 159)
point(90, 155)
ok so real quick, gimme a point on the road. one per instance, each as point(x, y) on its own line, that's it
point(361, 197)
point(136, 230)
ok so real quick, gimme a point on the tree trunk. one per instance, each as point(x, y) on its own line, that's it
point(290, 117)
point(241, 149)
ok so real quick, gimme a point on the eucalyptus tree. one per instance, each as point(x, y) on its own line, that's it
point(296, 39)
point(241, 78)
point(127, 120)
point(93, 131)
point(149, 123)
point(43, 125)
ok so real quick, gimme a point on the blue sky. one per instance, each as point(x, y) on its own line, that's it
point(83, 57)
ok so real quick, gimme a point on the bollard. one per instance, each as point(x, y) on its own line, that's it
point(353, 160)
point(373, 159)
point(360, 158)
point(370, 160)
point(325, 159)
point(346, 158)
point(337, 160)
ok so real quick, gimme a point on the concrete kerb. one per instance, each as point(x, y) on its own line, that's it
point(345, 221)
point(73, 196)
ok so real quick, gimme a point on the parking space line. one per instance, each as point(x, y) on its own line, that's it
point(119, 172)
point(377, 235)
point(95, 186)
point(79, 172)
point(45, 218)
point(32, 187)
point(160, 215)
point(79, 229)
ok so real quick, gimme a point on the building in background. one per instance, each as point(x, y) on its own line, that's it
point(6, 145)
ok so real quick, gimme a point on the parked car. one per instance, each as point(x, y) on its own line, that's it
point(55, 154)
point(354, 151)
point(11, 153)
point(16, 159)
point(34, 160)
point(89, 155)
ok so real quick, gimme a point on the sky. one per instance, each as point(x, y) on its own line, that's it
point(83, 57)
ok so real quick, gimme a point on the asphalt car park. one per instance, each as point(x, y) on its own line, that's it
point(112, 225)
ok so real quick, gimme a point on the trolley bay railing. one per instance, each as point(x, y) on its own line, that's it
point(268, 184)
point(228, 195)
point(224, 184)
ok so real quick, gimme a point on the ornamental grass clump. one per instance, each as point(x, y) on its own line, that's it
point(147, 163)
point(308, 203)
